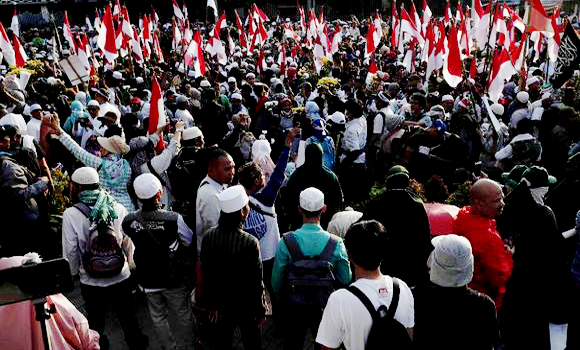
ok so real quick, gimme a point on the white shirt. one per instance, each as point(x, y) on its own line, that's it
point(347, 321)
point(207, 207)
point(75, 231)
point(355, 138)
point(183, 114)
point(33, 128)
point(379, 121)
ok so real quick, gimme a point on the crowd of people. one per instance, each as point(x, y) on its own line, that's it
point(458, 210)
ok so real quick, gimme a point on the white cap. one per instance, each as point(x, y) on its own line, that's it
point(250, 75)
point(532, 80)
point(337, 117)
point(191, 133)
point(451, 261)
point(446, 98)
point(139, 80)
point(204, 84)
point(231, 80)
point(523, 97)
point(117, 75)
point(15, 120)
point(311, 199)
point(85, 176)
point(236, 96)
point(233, 199)
point(93, 103)
point(35, 107)
point(181, 98)
point(146, 186)
point(497, 109)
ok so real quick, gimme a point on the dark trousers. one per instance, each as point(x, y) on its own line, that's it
point(573, 339)
point(296, 323)
point(119, 299)
point(220, 335)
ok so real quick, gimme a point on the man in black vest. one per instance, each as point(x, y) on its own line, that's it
point(163, 256)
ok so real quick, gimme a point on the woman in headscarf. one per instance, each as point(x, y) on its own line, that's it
point(114, 171)
point(77, 111)
point(320, 136)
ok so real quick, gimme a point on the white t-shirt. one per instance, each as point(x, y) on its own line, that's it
point(33, 128)
point(347, 321)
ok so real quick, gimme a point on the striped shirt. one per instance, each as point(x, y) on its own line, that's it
point(114, 171)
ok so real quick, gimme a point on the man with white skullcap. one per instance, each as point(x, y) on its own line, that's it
point(95, 205)
point(165, 255)
point(309, 240)
point(448, 314)
point(233, 300)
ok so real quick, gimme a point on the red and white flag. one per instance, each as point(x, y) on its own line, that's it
point(408, 26)
point(241, 32)
point(89, 25)
point(117, 11)
point(67, 34)
point(126, 24)
point(136, 47)
point(554, 42)
point(517, 54)
point(336, 40)
point(370, 45)
point(194, 56)
point(482, 31)
point(427, 14)
point(14, 25)
point(82, 53)
point(157, 117)
point(448, 15)
point(452, 65)
point(6, 47)
point(157, 48)
point(416, 19)
point(476, 12)
point(539, 20)
point(282, 61)
point(20, 55)
point(395, 26)
point(212, 5)
point(97, 20)
point(106, 40)
point(502, 71)
point(177, 11)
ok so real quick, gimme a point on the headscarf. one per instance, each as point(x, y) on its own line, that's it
point(81, 97)
point(261, 155)
point(102, 203)
point(140, 153)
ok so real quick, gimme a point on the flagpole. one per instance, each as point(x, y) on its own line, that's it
point(489, 55)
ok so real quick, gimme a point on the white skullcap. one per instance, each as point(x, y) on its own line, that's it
point(523, 97)
point(250, 75)
point(181, 98)
point(204, 84)
point(233, 199)
point(451, 261)
point(497, 109)
point(446, 98)
point(139, 80)
point(35, 107)
point(15, 120)
point(311, 199)
point(236, 96)
point(191, 133)
point(117, 75)
point(85, 176)
point(231, 80)
point(93, 103)
point(532, 80)
point(147, 186)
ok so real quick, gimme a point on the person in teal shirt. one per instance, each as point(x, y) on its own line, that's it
point(311, 240)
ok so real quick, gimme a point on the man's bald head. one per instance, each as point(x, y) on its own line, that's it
point(486, 198)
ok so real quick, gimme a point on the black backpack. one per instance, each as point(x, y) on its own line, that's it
point(310, 280)
point(104, 257)
point(386, 331)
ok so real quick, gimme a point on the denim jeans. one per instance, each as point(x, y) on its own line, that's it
point(177, 301)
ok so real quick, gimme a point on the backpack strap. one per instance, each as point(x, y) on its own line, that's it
point(292, 245)
point(364, 299)
point(395, 301)
point(152, 170)
point(329, 248)
point(83, 208)
point(370, 307)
